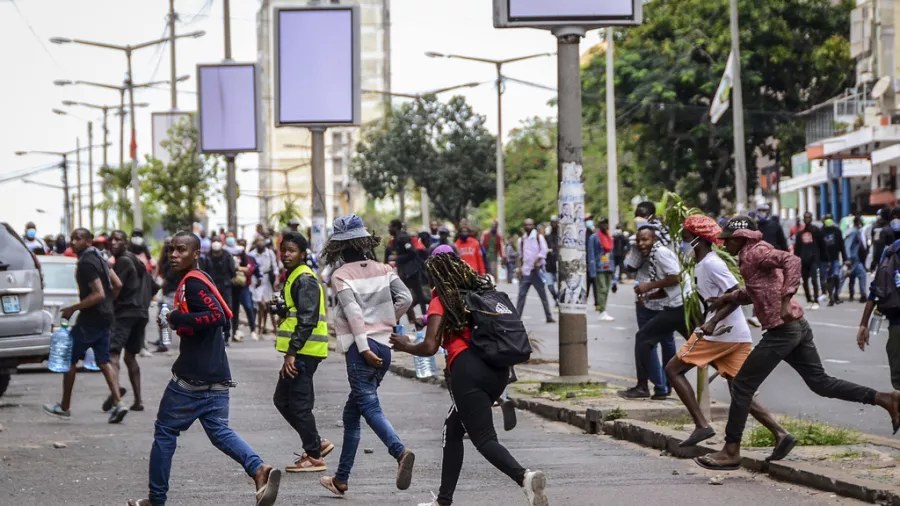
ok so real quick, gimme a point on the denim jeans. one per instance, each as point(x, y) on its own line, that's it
point(241, 297)
point(363, 403)
point(177, 411)
point(646, 359)
point(525, 283)
point(857, 271)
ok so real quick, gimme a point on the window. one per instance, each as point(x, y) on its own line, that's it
point(337, 139)
point(338, 166)
point(338, 190)
point(335, 2)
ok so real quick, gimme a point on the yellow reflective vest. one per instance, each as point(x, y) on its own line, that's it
point(317, 344)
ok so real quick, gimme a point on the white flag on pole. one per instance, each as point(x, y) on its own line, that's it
point(722, 101)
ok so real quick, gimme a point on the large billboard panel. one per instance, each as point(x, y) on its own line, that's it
point(317, 66)
point(549, 14)
point(162, 124)
point(228, 108)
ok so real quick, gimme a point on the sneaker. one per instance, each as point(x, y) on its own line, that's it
point(605, 317)
point(534, 484)
point(329, 483)
point(140, 502)
point(550, 319)
point(238, 337)
point(634, 393)
point(162, 349)
point(814, 306)
point(405, 469)
point(325, 448)
point(306, 464)
point(254, 336)
point(433, 501)
point(660, 397)
point(145, 353)
point(822, 298)
point(57, 411)
point(754, 321)
point(118, 414)
point(108, 403)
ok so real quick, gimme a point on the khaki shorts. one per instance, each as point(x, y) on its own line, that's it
point(727, 358)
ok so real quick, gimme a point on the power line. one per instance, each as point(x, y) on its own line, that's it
point(27, 172)
point(33, 32)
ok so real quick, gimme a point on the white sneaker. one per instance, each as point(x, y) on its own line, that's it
point(605, 317)
point(823, 298)
point(814, 307)
point(534, 484)
point(254, 336)
point(433, 501)
point(238, 337)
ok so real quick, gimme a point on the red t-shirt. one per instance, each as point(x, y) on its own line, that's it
point(454, 344)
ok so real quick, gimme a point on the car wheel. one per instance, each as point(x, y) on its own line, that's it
point(4, 381)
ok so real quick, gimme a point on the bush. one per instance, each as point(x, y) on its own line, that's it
point(808, 433)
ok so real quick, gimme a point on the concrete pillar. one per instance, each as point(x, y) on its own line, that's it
point(846, 196)
point(810, 201)
point(792, 213)
point(801, 200)
point(823, 200)
point(834, 193)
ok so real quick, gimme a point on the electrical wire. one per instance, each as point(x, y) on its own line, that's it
point(27, 172)
point(36, 36)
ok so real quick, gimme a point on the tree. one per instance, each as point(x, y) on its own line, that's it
point(290, 211)
point(118, 181)
point(185, 184)
point(794, 54)
point(443, 148)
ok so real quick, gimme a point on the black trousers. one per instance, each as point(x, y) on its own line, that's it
point(793, 343)
point(417, 289)
point(809, 271)
point(295, 397)
point(474, 386)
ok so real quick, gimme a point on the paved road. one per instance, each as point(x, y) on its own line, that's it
point(610, 350)
point(106, 464)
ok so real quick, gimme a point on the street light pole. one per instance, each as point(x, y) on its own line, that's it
point(135, 180)
point(230, 170)
point(90, 175)
point(612, 177)
point(172, 66)
point(105, 167)
point(67, 216)
point(78, 178)
point(737, 99)
point(318, 187)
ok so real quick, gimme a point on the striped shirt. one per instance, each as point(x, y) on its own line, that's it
point(371, 298)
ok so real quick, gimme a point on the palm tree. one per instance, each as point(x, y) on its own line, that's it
point(290, 211)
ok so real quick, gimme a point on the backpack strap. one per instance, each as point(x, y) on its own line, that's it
point(181, 304)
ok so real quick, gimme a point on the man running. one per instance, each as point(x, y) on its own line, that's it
point(834, 257)
point(771, 279)
point(97, 287)
point(725, 347)
point(469, 248)
point(809, 247)
point(303, 338)
point(131, 307)
point(771, 228)
point(410, 267)
point(200, 381)
point(532, 259)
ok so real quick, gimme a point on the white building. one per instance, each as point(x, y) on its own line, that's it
point(286, 172)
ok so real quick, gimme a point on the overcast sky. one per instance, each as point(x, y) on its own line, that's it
point(31, 63)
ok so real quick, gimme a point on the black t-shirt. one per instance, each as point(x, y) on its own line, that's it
point(201, 355)
point(91, 266)
point(132, 300)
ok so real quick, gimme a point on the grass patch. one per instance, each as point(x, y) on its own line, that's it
point(850, 454)
point(808, 433)
point(677, 423)
point(580, 390)
point(615, 414)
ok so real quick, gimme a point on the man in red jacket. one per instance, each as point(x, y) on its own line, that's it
point(470, 249)
point(493, 245)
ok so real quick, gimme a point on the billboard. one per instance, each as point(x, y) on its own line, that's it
point(317, 66)
point(547, 14)
point(162, 123)
point(227, 108)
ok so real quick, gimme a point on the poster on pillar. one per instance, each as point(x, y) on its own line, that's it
point(572, 266)
point(318, 235)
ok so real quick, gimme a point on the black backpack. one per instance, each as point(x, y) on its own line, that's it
point(498, 334)
point(886, 285)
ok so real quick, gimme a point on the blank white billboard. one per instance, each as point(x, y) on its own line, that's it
point(317, 66)
point(162, 123)
point(555, 13)
point(227, 108)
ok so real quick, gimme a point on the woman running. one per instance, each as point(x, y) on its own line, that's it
point(474, 385)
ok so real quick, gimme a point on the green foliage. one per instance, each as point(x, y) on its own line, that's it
point(807, 432)
point(290, 211)
point(442, 147)
point(184, 185)
point(117, 201)
point(794, 54)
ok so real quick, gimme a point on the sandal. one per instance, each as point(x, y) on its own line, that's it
point(783, 448)
point(707, 462)
point(697, 437)
point(266, 495)
point(328, 482)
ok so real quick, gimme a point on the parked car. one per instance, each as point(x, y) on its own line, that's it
point(24, 325)
point(60, 286)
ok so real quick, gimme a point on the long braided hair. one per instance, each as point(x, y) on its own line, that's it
point(450, 276)
point(333, 250)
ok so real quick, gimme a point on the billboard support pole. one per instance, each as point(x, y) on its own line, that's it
point(231, 193)
point(105, 166)
point(91, 174)
point(318, 234)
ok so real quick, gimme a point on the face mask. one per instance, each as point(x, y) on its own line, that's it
point(589, 224)
point(639, 221)
point(687, 248)
point(493, 230)
point(230, 241)
point(31, 233)
point(216, 246)
point(829, 222)
point(464, 237)
point(895, 225)
point(761, 216)
point(137, 241)
point(260, 248)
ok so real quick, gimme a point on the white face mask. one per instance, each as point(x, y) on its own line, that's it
point(216, 246)
point(687, 248)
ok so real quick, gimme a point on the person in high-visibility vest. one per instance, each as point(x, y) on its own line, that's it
point(303, 338)
point(371, 299)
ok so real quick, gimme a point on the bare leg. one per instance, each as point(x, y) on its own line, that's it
point(675, 371)
point(112, 380)
point(134, 375)
point(68, 384)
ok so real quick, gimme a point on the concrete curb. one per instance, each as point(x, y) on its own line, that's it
point(662, 438)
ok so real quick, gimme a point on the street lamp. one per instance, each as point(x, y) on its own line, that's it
point(498, 64)
point(420, 96)
point(285, 171)
point(129, 82)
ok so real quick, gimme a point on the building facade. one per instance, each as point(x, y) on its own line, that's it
point(286, 173)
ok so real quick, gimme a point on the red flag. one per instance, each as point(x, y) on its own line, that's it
point(133, 146)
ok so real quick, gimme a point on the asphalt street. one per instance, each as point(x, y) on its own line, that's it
point(611, 352)
point(106, 464)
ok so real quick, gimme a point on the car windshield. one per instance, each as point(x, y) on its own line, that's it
point(14, 256)
point(59, 276)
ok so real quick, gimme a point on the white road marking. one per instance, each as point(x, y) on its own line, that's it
point(836, 361)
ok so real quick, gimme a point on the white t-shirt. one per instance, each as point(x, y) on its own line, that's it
point(663, 263)
point(713, 280)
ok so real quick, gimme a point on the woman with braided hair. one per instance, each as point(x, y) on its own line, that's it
point(474, 385)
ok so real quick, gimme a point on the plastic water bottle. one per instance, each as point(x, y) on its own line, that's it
point(875, 324)
point(164, 334)
point(89, 362)
point(426, 367)
point(61, 349)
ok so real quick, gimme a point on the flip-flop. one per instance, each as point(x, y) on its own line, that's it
point(706, 463)
point(328, 482)
point(405, 469)
point(697, 437)
point(783, 448)
point(266, 495)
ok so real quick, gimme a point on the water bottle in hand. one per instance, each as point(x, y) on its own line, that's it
point(164, 334)
point(875, 324)
point(61, 349)
point(426, 367)
point(89, 363)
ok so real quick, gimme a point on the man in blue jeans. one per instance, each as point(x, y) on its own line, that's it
point(200, 381)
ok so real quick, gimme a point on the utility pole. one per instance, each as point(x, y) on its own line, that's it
point(135, 180)
point(105, 166)
point(90, 175)
point(501, 169)
point(172, 18)
point(231, 176)
point(67, 216)
point(318, 238)
point(78, 197)
point(121, 216)
point(737, 102)
point(572, 276)
point(612, 176)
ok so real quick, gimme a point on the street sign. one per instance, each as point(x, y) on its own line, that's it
point(227, 108)
point(162, 123)
point(582, 13)
point(317, 66)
